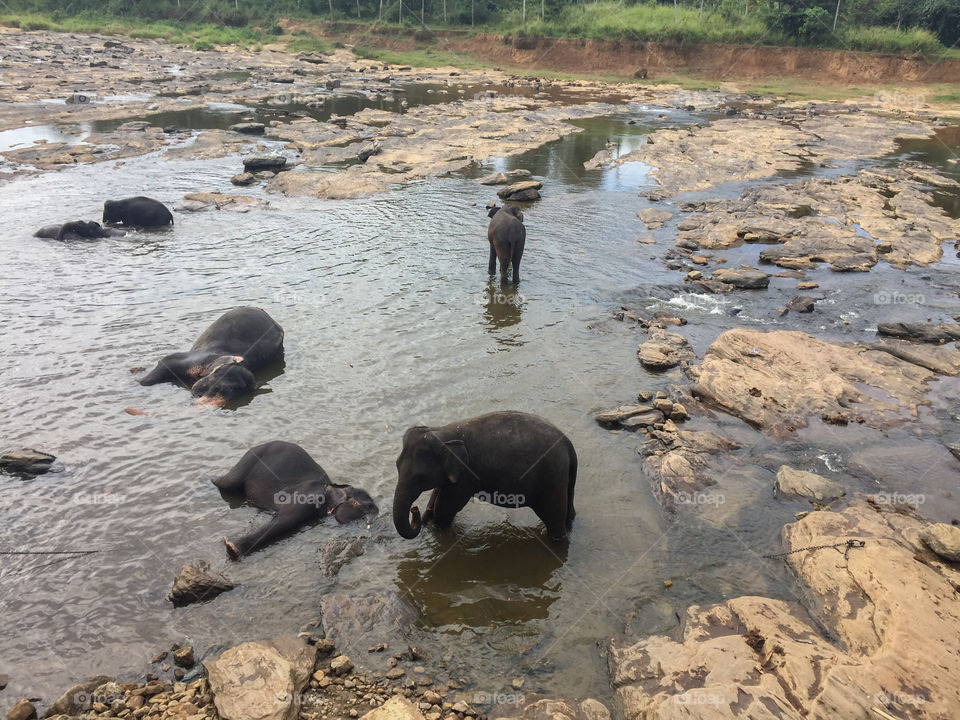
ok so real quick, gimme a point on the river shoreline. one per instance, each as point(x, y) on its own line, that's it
point(713, 395)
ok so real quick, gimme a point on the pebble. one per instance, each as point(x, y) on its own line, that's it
point(184, 657)
point(22, 710)
point(395, 673)
point(668, 583)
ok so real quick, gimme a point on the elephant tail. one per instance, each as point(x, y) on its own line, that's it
point(571, 483)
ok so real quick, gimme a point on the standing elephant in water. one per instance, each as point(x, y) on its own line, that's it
point(281, 476)
point(510, 459)
point(507, 236)
point(221, 364)
point(138, 212)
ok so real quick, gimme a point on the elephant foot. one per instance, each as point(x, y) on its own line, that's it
point(232, 550)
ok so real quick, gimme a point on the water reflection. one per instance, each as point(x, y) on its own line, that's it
point(502, 308)
point(496, 574)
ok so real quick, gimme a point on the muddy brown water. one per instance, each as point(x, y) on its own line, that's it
point(391, 321)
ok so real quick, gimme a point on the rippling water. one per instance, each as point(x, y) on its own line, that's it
point(390, 321)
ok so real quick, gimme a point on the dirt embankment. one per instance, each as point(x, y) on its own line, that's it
point(719, 62)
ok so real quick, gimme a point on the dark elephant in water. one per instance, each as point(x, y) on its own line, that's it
point(137, 212)
point(77, 230)
point(510, 459)
point(282, 477)
point(221, 364)
point(507, 236)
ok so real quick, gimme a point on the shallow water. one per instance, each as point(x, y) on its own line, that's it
point(390, 321)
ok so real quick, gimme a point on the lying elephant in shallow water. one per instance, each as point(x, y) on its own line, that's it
point(510, 459)
point(221, 364)
point(507, 236)
point(77, 230)
point(282, 476)
point(137, 211)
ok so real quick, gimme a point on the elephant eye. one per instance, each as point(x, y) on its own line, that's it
point(354, 503)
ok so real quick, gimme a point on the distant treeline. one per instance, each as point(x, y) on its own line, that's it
point(901, 25)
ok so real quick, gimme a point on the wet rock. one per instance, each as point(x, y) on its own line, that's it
point(264, 162)
point(603, 157)
point(941, 360)
point(4, 679)
point(522, 191)
point(337, 552)
point(249, 128)
point(801, 304)
point(751, 654)
point(260, 680)
point(23, 709)
point(944, 540)
point(806, 285)
point(396, 708)
point(494, 179)
point(744, 278)
point(184, 657)
point(354, 622)
point(681, 464)
point(341, 665)
point(26, 462)
point(654, 218)
point(641, 420)
point(244, 178)
point(195, 583)
point(194, 202)
point(332, 84)
point(757, 377)
point(799, 484)
point(620, 413)
point(921, 332)
point(663, 350)
point(75, 699)
point(369, 150)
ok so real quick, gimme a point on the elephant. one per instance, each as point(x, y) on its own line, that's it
point(281, 476)
point(77, 230)
point(510, 459)
point(221, 364)
point(507, 236)
point(137, 211)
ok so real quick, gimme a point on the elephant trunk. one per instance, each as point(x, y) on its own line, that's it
point(402, 505)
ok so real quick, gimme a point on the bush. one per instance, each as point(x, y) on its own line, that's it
point(815, 25)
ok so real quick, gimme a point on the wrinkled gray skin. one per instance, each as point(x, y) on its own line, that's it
point(221, 364)
point(510, 459)
point(77, 230)
point(281, 476)
point(507, 236)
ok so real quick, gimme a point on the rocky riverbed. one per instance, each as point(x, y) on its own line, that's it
point(774, 216)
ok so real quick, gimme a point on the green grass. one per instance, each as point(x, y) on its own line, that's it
point(885, 39)
point(421, 57)
point(308, 44)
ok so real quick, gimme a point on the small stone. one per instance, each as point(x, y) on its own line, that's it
point(159, 657)
point(165, 667)
point(644, 396)
point(799, 484)
point(244, 178)
point(424, 681)
point(319, 675)
point(516, 683)
point(184, 657)
point(23, 709)
point(341, 665)
point(395, 673)
point(664, 405)
point(249, 128)
point(668, 583)
point(179, 673)
point(694, 275)
point(461, 707)
point(494, 179)
point(807, 285)
point(678, 413)
point(801, 304)
point(353, 713)
point(432, 697)
point(324, 646)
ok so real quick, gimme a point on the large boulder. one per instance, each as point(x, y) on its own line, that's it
point(396, 708)
point(76, 699)
point(521, 191)
point(944, 540)
point(663, 350)
point(260, 680)
point(195, 583)
point(877, 629)
point(264, 162)
point(776, 380)
point(745, 278)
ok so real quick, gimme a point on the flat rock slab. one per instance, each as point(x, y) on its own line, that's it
point(536, 708)
point(494, 179)
point(26, 462)
point(249, 128)
point(620, 413)
point(681, 465)
point(264, 162)
point(220, 201)
point(354, 622)
point(893, 620)
point(521, 191)
point(803, 485)
point(776, 380)
point(653, 218)
point(921, 332)
point(261, 680)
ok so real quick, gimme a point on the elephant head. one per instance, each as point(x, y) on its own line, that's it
point(223, 380)
point(426, 461)
point(513, 210)
point(112, 211)
point(347, 503)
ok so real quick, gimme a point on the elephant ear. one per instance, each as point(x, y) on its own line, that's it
point(456, 461)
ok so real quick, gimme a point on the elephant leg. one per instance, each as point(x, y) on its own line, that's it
point(236, 477)
point(517, 255)
point(553, 512)
point(492, 265)
point(504, 267)
point(288, 519)
point(450, 499)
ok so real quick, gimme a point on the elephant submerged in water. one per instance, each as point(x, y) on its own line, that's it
point(282, 477)
point(507, 236)
point(221, 364)
point(77, 230)
point(137, 212)
point(510, 459)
